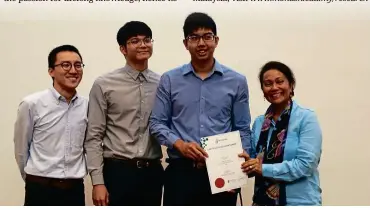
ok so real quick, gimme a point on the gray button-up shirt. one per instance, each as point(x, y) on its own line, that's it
point(120, 104)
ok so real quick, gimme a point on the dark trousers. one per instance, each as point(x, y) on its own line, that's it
point(42, 192)
point(187, 185)
point(131, 183)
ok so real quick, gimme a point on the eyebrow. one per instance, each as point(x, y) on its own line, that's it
point(193, 34)
point(135, 37)
point(275, 78)
point(76, 61)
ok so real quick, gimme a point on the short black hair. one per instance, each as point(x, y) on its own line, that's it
point(63, 48)
point(131, 29)
point(197, 20)
point(284, 69)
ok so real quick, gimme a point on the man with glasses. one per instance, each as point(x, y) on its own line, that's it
point(198, 99)
point(122, 158)
point(49, 133)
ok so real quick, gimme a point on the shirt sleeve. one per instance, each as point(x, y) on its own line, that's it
point(307, 156)
point(96, 127)
point(23, 131)
point(253, 149)
point(241, 117)
point(160, 118)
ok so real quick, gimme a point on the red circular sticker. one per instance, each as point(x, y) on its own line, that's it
point(220, 182)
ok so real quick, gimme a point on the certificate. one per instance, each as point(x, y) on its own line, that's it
point(223, 163)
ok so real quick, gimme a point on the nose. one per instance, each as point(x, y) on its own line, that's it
point(142, 44)
point(274, 86)
point(201, 41)
point(73, 70)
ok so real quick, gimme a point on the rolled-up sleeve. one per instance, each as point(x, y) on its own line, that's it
point(97, 111)
point(241, 117)
point(307, 156)
point(23, 130)
point(159, 123)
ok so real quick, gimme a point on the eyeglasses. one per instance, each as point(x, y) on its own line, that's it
point(196, 38)
point(67, 66)
point(137, 42)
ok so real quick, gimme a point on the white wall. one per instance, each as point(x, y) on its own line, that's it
point(326, 44)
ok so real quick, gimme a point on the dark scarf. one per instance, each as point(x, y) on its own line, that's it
point(270, 192)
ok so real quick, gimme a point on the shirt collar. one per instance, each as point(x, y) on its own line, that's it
point(57, 96)
point(135, 73)
point(216, 68)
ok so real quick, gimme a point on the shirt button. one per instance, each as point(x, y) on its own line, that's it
point(201, 126)
point(142, 101)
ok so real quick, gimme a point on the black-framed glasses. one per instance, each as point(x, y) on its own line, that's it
point(137, 42)
point(67, 66)
point(196, 38)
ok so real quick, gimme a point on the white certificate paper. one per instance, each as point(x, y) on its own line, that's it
point(223, 163)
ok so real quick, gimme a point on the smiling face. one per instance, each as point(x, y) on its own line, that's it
point(276, 87)
point(67, 71)
point(201, 44)
point(138, 48)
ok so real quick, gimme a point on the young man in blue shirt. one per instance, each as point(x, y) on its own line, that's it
point(201, 98)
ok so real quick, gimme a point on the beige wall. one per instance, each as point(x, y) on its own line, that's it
point(328, 49)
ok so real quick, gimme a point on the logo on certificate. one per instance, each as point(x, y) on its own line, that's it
point(220, 182)
point(203, 142)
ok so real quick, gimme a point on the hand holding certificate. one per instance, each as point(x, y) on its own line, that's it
point(223, 162)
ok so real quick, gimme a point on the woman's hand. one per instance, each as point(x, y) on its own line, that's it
point(252, 165)
point(244, 155)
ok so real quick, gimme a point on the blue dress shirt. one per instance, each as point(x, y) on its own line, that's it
point(301, 157)
point(188, 108)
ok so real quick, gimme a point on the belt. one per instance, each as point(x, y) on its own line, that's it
point(54, 182)
point(136, 162)
point(186, 162)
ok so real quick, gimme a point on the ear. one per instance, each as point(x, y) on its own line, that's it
point(51, 72)
point(185, 41)
point(123, 50)
point(216, 40)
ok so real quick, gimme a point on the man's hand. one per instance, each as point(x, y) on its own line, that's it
point(100, 195)
point(191, 150)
